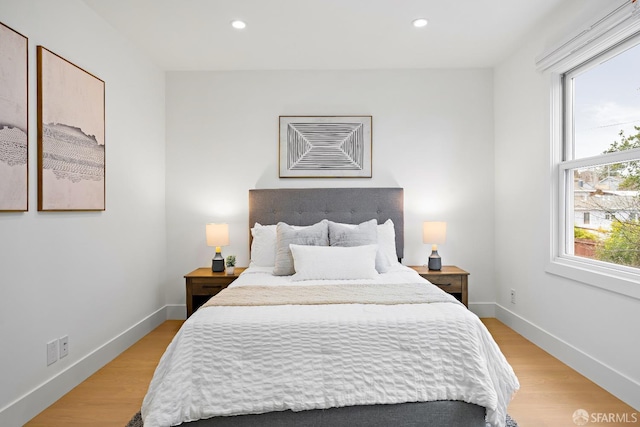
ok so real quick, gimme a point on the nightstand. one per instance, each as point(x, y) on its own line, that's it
point(450, 279)
point(203, 283)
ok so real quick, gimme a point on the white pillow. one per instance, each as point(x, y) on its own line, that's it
point(387, 242)
point(334, 262)
point(263, 245)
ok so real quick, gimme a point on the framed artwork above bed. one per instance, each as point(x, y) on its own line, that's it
point(325, 147)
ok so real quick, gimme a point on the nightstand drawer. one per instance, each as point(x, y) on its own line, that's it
point(206, 288)
point(447, 283)
point(218, 281)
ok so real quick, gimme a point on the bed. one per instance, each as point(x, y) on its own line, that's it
point(348, 337)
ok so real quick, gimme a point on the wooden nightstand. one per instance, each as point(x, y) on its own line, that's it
point(203, 283)
point(450, 279)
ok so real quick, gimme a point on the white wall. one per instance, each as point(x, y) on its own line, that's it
point(590, 329)
point(432, 135)
point(91, 276)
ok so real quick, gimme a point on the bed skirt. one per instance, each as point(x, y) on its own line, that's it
point(436, 414)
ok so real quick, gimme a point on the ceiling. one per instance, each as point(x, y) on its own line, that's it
point(323, 34)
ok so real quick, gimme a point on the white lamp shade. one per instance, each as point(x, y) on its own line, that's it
point(217, 234)
point(434, 232)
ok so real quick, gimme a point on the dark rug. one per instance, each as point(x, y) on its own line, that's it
point(136, 421)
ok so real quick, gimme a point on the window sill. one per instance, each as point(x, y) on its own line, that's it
point(610, 279)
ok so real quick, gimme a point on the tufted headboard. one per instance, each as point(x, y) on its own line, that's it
point(306, 206)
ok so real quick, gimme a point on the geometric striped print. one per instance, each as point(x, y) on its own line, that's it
point(325, 146)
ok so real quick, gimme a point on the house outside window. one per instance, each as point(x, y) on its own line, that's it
point(595, 136)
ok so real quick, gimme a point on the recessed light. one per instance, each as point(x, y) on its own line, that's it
point(238, 25)
point(420, 22)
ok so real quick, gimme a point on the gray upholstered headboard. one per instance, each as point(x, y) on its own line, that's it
point(306, 206)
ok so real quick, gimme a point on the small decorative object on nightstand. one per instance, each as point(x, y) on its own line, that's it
point(230, 263)
point(203, 283)
point(450, 279)
point(434, 232)
point(217, 235)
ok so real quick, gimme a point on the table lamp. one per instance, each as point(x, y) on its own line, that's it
point(434, 232)
point(217, 235)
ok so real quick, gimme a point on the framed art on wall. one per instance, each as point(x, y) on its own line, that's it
point(71, 136)
point(14, 127)
point(325, 147)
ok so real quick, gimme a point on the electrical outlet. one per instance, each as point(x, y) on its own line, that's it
point(64, 346)
point(513, 296)
point(52, 352)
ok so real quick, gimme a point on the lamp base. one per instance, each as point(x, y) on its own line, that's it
point(435, 262)
point(217, 263)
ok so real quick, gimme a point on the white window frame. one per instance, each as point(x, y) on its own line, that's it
point(603, 37)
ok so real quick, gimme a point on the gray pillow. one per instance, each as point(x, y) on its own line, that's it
point(365, 233)
point(347, 235)
point(315, 235)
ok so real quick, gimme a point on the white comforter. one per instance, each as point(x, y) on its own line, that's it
point(247, 360)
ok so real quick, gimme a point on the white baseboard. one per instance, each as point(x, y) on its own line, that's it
point(483, 309)
point(176, 311)
point(31, 404)
point(616, 383)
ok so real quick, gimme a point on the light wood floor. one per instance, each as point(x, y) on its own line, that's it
point(549, 393)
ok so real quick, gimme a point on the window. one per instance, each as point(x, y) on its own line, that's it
point(595, 136)
point(600, 170)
